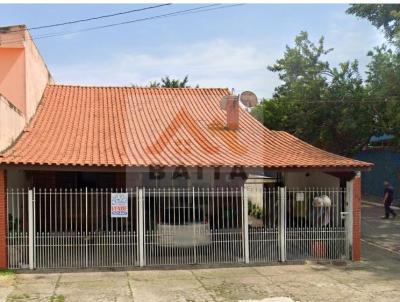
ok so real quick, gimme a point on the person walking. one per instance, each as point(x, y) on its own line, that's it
point(387, 200)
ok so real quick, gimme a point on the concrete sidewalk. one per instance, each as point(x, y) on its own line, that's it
point(376, 278)
point(310, 282)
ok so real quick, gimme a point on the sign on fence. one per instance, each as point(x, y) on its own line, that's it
point(119, 205)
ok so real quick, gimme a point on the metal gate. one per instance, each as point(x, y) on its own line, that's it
point(70, 229)
point(189, 226)
point(264, 225)
point(175, 226)
point(314, 230)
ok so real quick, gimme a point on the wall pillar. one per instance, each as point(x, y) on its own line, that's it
point(3, 220)
point(356, 249)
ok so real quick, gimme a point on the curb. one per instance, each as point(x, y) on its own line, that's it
point(397, 252)
point(379, 204)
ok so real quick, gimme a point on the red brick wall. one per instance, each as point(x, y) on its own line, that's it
point(232, 113)
point(3, 219)
point(356, 251)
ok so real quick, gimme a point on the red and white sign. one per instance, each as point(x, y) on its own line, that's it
point(119, 205)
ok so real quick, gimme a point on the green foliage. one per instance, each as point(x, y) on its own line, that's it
point(382, 16)
point(174, 83)
point(14, 224)
point(322, 105)
point(383, 89)
point(167, 82)
point(6, 272)
point(57, 298)
point(254, 210)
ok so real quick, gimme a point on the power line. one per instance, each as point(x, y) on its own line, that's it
point(92, 18)
point(199, 9)
point(111, 25)
point(176, 13)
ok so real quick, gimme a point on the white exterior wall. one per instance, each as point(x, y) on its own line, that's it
point(12, 123)
point(255, 192)
point(37, 77)
point(24, 77)
point(314, 179)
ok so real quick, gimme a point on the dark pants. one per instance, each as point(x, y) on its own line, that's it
point(389, 210)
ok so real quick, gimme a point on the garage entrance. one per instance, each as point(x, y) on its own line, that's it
point(193, 226)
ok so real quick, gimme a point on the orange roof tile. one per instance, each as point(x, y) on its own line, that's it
point(120, 126)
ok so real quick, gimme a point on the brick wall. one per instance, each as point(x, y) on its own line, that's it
point(356, 251)
point(3, 219)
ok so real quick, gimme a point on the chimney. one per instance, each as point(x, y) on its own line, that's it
point(23, 79)
point(232, 112)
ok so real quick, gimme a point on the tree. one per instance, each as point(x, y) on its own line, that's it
point(383, 89)
point(175, 83)
point(383, 72)
point(322, 105)
point(167, 82)
point(382, 16)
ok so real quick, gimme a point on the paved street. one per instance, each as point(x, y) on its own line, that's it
point(376, 278)
point(381, 232)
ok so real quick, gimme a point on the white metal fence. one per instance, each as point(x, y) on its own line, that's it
point(264, 225)
point(175, 226)
point(315, 231)
point(70, 228)
point(188, 226)
point(18, 229)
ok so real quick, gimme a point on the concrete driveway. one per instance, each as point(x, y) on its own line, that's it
point(376, 278)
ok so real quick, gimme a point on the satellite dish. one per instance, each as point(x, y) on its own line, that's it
point(248, 99)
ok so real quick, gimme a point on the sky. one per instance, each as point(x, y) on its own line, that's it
point(229, 47)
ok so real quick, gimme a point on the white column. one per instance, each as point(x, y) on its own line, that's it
point(282, 223)
point(348, 216)
point(246, 225)
point(31, 231)
point(86, 229)
point(194, 228)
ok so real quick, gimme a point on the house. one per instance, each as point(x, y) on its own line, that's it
point(122, 176)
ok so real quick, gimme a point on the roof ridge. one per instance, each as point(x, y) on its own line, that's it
point(138, 87)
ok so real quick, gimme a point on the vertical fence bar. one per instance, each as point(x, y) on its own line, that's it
point(194, 226)
point(30, 229)
point(282, 224)
point(245, 225)
point(140, 227)
point(348, 216)
point(34, 226)
point(86, 229)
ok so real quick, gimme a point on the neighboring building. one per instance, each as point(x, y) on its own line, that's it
point(120, 138)
point(23, 78)
point(386, 159)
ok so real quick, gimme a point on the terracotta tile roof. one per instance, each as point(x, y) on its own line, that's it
point(118, 126)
